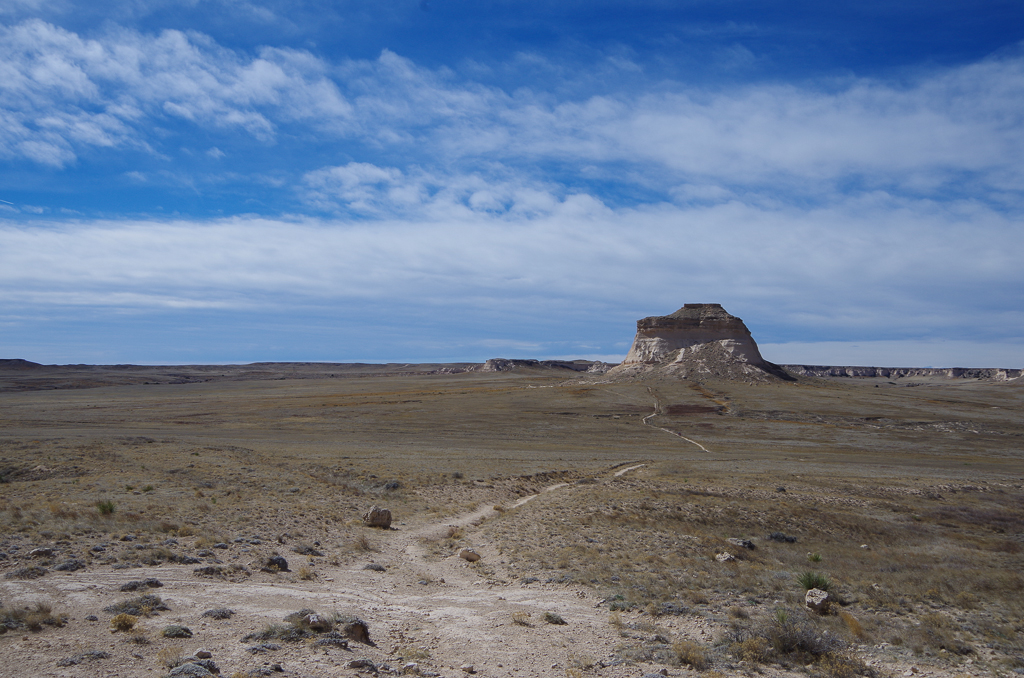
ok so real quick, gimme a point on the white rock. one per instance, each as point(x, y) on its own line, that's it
point(470, 555)
point(725, 557)
point(817, 600)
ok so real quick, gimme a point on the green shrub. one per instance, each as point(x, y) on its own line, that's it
point(106, 507)
point(814, 580)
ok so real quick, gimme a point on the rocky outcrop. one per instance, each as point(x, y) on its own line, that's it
point(697, 341)
point(513, 364)
point(989, 374)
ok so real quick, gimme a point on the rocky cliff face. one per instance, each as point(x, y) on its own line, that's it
point(698, 340)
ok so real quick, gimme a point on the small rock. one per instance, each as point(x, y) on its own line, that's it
point(190, 670)
point(725, 557)
point(411, 667)
point(220, 545)
point(40, 553)
point(470, 555)
point(92, 617)
point(865, 547)
point(467, 668)
point(317, 623)
point(377, 517)
point(817, 600)
point(98, 549)
point(361, 664)
point(742, 543)
point(202, 654)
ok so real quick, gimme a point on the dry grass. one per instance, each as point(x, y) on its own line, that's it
point(941, 519)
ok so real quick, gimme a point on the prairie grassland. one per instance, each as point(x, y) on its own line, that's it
point(908, 500)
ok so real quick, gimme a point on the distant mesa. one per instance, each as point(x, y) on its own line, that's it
point(697, 341)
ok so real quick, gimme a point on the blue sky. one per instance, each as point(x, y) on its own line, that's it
point(189, 181)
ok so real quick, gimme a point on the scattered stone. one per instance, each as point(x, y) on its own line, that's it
point(361, 664)
point(470, 555)
point(41, 552)
point(176, 631)
point(725, 558)
point(377, 517)
point(865, 547)
point(411, 667)
point(220, 545)
point(781, 537)
point(92, 617)
point(98, 548)
point(333, 639)
point(70, 565)
point(467, 668)
point(817, 600)
point(742, 543)
point(376, 567)
point(264, 647)
point(275, 564)
point(141, 584)
point(169, 542)
point(202, 654)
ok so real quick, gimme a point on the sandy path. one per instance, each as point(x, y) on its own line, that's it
point(439, 611)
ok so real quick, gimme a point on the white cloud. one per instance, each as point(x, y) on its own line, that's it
point(883, 269)
point(959, 129)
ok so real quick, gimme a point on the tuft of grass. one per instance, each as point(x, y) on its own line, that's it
point(106, 507)
point(171, 657)
point(693, 654)
point(124, 622)
point(520, 618)
point(554, 618)
point(814, 580)
point(140, 606)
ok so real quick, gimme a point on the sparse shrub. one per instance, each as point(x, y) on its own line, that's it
point(106, 507)
point(814, 580)
point(364, 543)
point(137, 636)
point(694, 654)
point(755, 649)
point(814, 557)
point(853, 625)
point(376, 567)
point(31, 572)
point(140, 606)
point(307, 550)
point(123, 622)
point(176, 631)
point(218, 613)
point(306, 573)
point(521, 618)
point(32, 618)
point(171, 657)
point(141, 584)
point(554, 618)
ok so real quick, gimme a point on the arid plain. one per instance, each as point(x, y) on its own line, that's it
point(599, 508)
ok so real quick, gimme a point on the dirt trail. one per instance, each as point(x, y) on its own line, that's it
point(656, 412)
point(439, 611)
